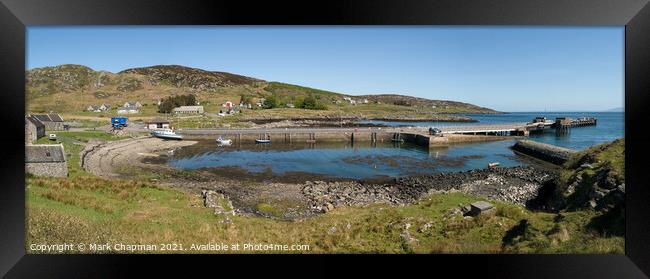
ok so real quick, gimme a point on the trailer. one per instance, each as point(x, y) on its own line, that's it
point(119, 122)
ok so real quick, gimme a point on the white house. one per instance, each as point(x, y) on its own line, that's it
point(126, 110)
point(188, 110)
point(132, 104)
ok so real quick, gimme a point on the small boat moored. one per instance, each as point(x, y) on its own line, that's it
point(493, 165)
point(222, 141)
point(166, 134)
point(262, 141)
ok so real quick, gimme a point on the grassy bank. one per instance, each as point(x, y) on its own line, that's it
point(74, 143)
point(99, 210)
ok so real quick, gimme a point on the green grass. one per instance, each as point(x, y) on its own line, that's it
point(97, 210)
point(73, 144)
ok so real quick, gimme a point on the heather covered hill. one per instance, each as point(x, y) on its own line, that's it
point(72, 88)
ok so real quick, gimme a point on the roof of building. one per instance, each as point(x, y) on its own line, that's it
point(158, 121)
point(51, 117)
point(34, 121)
point(44, 153)
point(188, 108)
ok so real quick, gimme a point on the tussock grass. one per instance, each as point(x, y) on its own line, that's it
point(102, 209)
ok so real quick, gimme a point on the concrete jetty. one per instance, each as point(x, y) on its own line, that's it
point(546, 152)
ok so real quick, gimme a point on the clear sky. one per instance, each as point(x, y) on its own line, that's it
point(504, 68)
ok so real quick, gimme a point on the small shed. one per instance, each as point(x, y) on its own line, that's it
point(157, 124)
point(46, 160)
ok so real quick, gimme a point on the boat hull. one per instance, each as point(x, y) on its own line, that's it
point(167, 136)
point(262, 141)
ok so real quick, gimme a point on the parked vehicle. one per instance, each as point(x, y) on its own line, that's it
point(119, 122)
point(52, 137)
point(435, 132)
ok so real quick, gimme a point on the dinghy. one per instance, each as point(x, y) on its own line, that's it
point(223, 141)
point(262, 141)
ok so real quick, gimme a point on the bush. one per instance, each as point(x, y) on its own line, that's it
point(169, 103)
point(270, 102)
point(311, 103)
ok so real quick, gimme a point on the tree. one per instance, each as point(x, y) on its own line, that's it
point(270, 102)
point(168, 104)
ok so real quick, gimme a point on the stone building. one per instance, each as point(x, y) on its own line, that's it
point(46, 160)
point(157, 124)
point(52, 121)
point(189, 110)
point(34, 129)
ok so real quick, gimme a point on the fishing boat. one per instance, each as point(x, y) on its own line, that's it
point(166, 134)
point(262, 141)
point(223, 141)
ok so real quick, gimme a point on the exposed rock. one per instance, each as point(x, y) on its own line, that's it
point(218, 201)
point(481, 207)
point(515, 185)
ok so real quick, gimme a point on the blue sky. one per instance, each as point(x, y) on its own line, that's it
point(504, 68)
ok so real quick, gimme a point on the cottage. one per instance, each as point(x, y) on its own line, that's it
point(365, 101)
point(46, 160)
point(52, 121)
point(34, 129)
point(125, 110)
point(189, 110)
point(132, 105)
point(100, 108)
point(157, 124)
point(260, 102)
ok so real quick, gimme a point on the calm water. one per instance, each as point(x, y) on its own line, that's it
point(610, 126)
point(364, 160)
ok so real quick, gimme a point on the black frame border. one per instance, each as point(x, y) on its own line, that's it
point(633, 14)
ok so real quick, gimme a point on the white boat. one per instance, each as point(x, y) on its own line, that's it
point(262, 141)
point(166, 134)
point(223, 141)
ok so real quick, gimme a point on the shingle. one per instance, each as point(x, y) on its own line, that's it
point(44, 153)
point(56, 117)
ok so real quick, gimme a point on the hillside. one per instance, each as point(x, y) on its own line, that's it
point(595, 179)
point(72, 88)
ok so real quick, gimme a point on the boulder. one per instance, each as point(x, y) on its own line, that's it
point(481, 207)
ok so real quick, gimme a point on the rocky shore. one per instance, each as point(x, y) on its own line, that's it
point(515, 185)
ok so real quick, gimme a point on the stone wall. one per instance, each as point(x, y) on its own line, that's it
point(53, 126)
point(58, 169)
